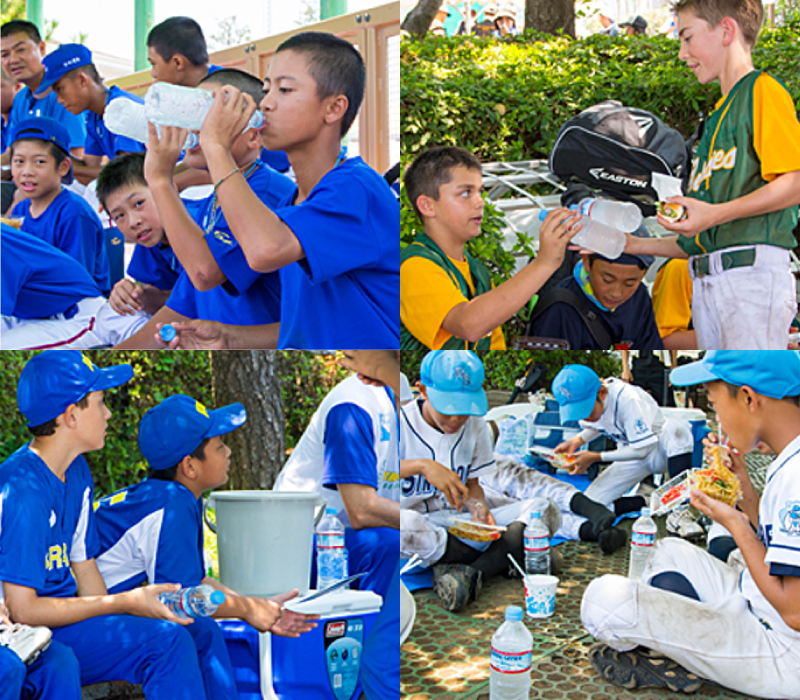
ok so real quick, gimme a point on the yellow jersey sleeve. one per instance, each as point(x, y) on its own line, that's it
point(427, 295)
point(672, 297)
point(776, 131)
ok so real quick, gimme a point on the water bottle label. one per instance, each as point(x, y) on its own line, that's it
point(585, 207)
point(537, 544)
point(511, 662)
point(643, 539)
point(330, 540)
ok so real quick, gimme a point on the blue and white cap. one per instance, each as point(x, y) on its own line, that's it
point(454, 382)
point(575, 388)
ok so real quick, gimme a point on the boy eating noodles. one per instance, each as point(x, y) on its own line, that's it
point(744, 187)
point(740, 629)
point(447, 300)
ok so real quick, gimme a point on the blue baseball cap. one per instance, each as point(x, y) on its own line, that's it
point(454, 380)
point(44, 129)
point(64, 59)
point(575, 388)
point(772, 373)
point(56, 379)
point(176, 427)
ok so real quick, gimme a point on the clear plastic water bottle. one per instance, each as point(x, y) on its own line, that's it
point(175, 105)
point(331, 553)
point(643, 539)
point(597, 237)
point(127, 118)
point(512, 649)
point(196, 601)
point(623, 216)
point(537, 545)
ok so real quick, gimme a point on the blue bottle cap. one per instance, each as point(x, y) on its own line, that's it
point(543, 214)
point(331, 511)
point(167, 333)
point(217, 597)
point(513, 613)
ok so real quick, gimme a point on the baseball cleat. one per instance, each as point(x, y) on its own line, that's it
point(642, 668)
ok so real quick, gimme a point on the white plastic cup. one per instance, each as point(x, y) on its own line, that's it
point(540, 595)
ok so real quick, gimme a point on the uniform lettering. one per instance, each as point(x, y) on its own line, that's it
point(57, 557)
point(719, 160)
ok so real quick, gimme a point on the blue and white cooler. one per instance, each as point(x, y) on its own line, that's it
point(322, 664)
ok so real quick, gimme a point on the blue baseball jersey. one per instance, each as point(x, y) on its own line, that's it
point(157, 265)
point(102, 142)
point(352, 439)
point(44, 523)
point(277, 160)
point(248, 297)
point(38, 280)
point(70, 224)
point(25, 106)
point(633, 322)
point(150, 533)
point(345, 292)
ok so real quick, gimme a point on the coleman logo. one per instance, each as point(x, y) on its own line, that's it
point(601, 174)
point(335, 629)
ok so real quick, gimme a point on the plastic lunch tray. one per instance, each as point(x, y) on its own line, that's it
point(682, 484)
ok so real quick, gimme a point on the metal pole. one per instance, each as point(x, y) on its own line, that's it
point(142, 26)
point(34, 12)
point(332, 8)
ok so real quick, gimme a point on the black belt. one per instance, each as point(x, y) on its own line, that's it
point(745, 257)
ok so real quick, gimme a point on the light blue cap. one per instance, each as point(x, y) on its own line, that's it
point(772, 373)
point(454, 382)
point(575, 388)
point(513, 613)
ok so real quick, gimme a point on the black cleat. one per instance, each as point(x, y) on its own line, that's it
point(457, 585)
point(642, 668)
point(612, 539)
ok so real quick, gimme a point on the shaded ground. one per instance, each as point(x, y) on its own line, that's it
point(446, 657)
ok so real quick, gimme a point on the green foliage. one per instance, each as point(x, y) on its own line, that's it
point(305, 380)
point(12, 9)
point(504, 367)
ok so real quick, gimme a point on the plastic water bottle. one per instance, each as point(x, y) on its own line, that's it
point(537, 545)
point(512, 649)
point(196, 601)
point(127, 118)
point(175, 105)
point(597, 237)
point(623, 216)
point(643, 538)
point(331, 554)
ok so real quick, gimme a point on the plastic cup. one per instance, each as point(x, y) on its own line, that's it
point(540, 595)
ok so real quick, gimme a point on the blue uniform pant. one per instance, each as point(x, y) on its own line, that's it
point(159, 655)
point(377, 551)
point(55, 674)
point(215, 663)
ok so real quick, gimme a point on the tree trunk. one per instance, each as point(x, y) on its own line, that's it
point(550, 16)
point(251, 378)
point(418, 21)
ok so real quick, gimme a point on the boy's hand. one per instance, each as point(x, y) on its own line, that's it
point(556, 232)
point(569, 446)
point(197, 335)
point(263, 614)
point(163, 152)
point(292, 624)
point(719, 512)
point(583, 460)
point(125, 297)
point(700, 216)
point(227, 118)
point(444, 480)
point(4, 615)
point(144, 602)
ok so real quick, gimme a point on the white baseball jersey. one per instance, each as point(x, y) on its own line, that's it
point(630, 415)
point(779, 530)
point(352, 438)
point(468, 453)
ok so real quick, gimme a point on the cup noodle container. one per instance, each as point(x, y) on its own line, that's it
point(540, 595)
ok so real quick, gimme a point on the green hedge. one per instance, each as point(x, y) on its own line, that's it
point(504, 367)
point(305, 380)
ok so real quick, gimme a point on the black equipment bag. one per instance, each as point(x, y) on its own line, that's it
point(616, 149)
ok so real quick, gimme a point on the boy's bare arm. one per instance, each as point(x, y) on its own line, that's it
point(30, 609)
point(666, 247)
point(782, 192)
point(185, 236)
point(211, 335)
point(88, 578)
point(365, 508)
point(474, 319)
point(144, 338)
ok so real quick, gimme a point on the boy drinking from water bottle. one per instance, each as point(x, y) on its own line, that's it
point(152, 532)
